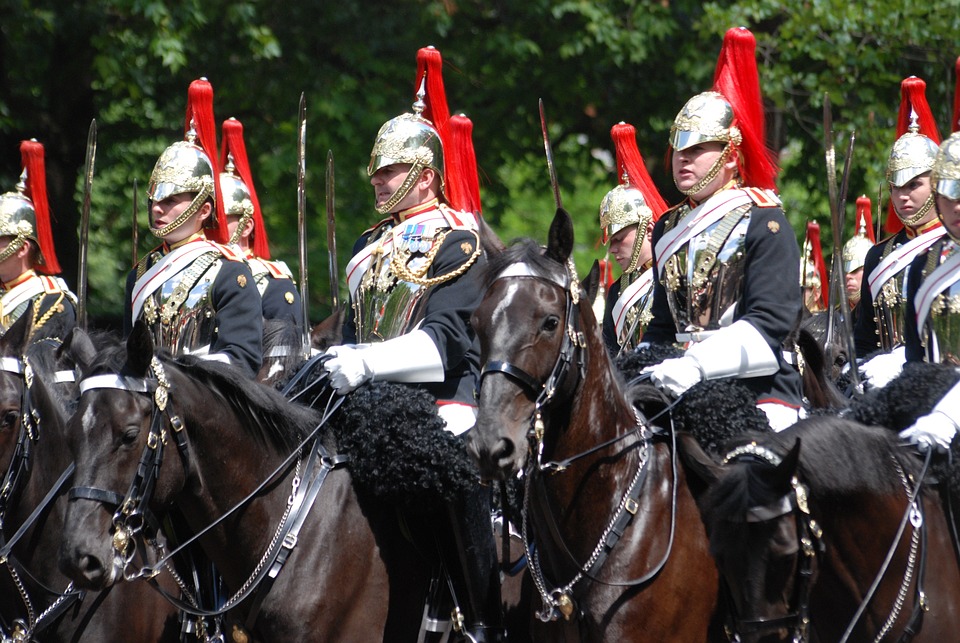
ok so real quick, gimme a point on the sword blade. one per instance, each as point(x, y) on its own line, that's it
point(136, 223)
point(845, 310)
point(88, 167)
point(332, 235)
point(302, 218)
point(831, 162)
point(548, 149)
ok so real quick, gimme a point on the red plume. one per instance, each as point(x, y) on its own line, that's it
point(606, 273)
point(200, 113)
point(913, 94)
point(430, 64)
point(913, 97)
point(630, 161)
point(232, 143)
point(32, 155)
point(865, 217)
point(737, 79)
point(461, 159)
point(955, 123)
point(813, 238)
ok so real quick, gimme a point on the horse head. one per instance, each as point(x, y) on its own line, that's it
point(116, 437)
point(758, 522)
point(536, 330)
point(12, 344)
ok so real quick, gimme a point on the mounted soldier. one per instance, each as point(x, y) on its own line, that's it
point(280, 300)
point(197, 295)
point(413, 283)
point(855, 254)
point(727, 261)
point(880, 325)
point(627, 215)
point(934, 278)
point(28, 261)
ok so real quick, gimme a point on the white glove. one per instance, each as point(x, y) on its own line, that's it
point(931, 431)
point(347, 368)
point(884, 368)
point(675, 375)
point(938, 428)
point(410, 358)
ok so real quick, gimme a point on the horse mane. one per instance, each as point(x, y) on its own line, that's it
point(838, 457)
point(522, 250)
point(268, 416)
point(282, 352)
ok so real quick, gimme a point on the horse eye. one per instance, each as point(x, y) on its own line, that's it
point(550, 324)
point(130, 435)
point(8, 420)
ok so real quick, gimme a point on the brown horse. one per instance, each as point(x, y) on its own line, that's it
point(37, 599)
point(817, 537)
point(616, 545)
point(347, 575)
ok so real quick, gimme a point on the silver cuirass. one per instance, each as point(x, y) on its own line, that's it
point(180, 313)
point(941, 332)
point(704, 279)
point(889, 308)
point(385, 305)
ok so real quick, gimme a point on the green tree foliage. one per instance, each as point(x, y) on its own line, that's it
point(128, 63)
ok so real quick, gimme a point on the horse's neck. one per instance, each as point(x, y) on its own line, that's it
point(227, 463)
point(600, 409)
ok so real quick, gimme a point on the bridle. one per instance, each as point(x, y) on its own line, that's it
point(559, 601)
point(132, 514)
point(571, 352)
point(20, 464)
point(810, 545)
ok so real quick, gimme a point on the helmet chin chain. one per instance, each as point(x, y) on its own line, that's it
point(191, 210)
point(710, 175)
point(412, 177)
point(238, 233)
point(922, 212)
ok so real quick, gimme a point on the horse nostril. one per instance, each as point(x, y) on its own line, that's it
point(503, 450)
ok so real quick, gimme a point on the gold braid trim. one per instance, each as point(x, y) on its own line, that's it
point(399, 258)
point(39, 321)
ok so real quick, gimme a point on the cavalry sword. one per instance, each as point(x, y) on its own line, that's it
point(85, 224)
point(136, 231)
point(332, 235)
point(548, 149)
point(302, 219)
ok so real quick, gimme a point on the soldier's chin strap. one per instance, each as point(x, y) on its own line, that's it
point(195, 205)
point(711, 174)
point(412, 177)
point(921, 212)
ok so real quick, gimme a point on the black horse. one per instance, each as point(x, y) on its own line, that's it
point(37, 599)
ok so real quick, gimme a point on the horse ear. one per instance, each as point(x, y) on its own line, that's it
point(139, 349)
point(697, 460)
point(591, 284)
point(560, 238)
point(78, 348)
point(787, 468)
point(14, 341)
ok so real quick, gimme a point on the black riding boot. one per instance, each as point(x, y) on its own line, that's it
point(470, 556)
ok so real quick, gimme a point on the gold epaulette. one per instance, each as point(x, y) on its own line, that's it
point(763, 198)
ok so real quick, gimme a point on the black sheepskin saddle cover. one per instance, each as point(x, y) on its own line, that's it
point(913, 393)
point(714, 412)
point(399, 451)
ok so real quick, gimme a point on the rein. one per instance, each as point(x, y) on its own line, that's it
point(19, 465)
point(320, 462)
point(810, 544)
point(559, 600)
